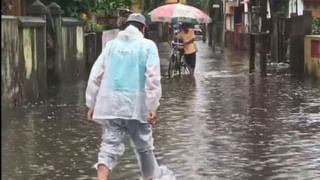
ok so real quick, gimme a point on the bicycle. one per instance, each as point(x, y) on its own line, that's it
point(176, 62)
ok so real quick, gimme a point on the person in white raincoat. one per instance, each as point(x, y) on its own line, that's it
point(122, 95)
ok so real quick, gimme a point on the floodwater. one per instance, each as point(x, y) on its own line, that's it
point(222, 124)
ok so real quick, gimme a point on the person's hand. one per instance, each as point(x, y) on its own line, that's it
point(152, 117)
point(90, 114)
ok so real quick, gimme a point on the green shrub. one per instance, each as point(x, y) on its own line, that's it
point(93, 26)
point(316, 26)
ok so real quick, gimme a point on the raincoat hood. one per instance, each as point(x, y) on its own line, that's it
point(130, 33)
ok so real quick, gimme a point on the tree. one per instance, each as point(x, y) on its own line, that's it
point(110, 7)
point(316, 26)
point(5, 6)
point(195, 3)
point(149, 5)
point(75, 7)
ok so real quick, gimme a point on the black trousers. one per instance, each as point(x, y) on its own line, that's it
point(191, 59)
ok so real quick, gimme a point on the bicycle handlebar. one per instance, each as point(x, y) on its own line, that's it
point(176, 43)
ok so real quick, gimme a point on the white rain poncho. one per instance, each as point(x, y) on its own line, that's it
point(125, 79)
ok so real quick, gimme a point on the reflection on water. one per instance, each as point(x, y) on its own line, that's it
point(221, 124)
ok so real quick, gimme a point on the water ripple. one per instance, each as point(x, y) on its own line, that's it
point(221, 124)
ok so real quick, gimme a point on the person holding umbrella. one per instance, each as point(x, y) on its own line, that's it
point(190, 49)
point(176, 13)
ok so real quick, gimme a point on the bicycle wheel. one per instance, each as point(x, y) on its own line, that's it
point(171, 66)
point(179, 64)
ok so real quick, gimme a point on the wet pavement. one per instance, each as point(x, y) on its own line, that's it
point(222, 124)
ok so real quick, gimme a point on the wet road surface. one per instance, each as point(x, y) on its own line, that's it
point(222, 124)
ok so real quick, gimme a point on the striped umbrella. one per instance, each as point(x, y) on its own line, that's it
point(175, 13)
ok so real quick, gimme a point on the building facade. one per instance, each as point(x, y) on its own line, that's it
point(15, 7)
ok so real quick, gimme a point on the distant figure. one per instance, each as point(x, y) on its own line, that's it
point(188, 38)
point(123, 95)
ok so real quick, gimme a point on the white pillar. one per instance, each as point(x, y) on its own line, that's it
point(246, 17)
point(224, 24)
point(269, 10)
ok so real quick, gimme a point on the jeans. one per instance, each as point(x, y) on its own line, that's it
point(112, 146)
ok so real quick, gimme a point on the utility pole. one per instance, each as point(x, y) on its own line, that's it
point(259, 34)
point(246, 16)
point(264, 37)
point(224, 25)
point(297, 7)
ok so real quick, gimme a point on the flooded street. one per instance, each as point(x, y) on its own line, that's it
point(223, 124)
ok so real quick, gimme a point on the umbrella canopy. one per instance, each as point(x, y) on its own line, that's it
point(179, 13)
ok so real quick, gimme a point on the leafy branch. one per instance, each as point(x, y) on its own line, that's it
point(316, 26)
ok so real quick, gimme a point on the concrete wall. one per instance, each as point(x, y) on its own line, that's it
point(10, 88)
point(235, 40)
point(73, 60)
point(23, 59)
point(300, 27)
point(312, 55)
point(25, 73)
point(66, 59)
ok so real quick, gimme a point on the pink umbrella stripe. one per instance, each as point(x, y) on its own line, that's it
point(167, 12)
